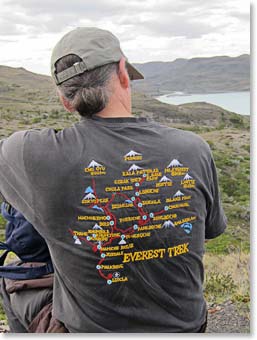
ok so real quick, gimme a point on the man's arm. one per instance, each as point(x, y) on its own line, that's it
point(216, 221)
point(14, 183)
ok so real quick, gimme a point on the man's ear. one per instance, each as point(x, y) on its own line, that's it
point(66, 104)
point(123, 73)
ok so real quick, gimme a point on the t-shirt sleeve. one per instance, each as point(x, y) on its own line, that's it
point(14, 182)
point(216, 220)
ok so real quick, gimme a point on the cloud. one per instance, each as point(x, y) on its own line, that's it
point(148, 30)
point(32, 7)
point(162, 17)
point(240, 16)
point(5, 41)
point(179, 25)
point(9, 27)
point(53, 16)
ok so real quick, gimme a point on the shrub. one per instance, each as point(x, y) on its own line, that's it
point(211, 144)
point(36, 120)
point(218, 285)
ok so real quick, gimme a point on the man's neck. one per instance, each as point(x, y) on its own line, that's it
point(116, 108)
point(112, 113)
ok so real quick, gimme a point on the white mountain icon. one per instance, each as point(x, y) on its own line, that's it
point(134, 167)
point(97, 208)
point(174, 162)
point(187, 177)
point(168, 224)
point(178, 193)
point(165, 179)
point(77, 241)
point(89, 196)
point(93, 164)
point(97, 227)
point(132, 153)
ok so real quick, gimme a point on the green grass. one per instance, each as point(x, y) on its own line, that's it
point(2, 227)
point(2, 313)
point(231, 153)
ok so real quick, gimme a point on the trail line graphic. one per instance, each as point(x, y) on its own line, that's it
point(102, 238)
point(137, 203)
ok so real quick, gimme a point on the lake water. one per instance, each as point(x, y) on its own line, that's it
point(238, 102)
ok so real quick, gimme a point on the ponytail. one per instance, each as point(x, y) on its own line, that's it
point(89, 92)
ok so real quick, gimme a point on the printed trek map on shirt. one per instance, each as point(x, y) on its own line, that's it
point(112, 237)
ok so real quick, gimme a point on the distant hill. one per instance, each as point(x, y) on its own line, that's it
point(20, 77)
point(28, 98)
point(196, 75)
point(194, 115)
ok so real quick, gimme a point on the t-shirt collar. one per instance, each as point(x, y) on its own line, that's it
point(130, 119)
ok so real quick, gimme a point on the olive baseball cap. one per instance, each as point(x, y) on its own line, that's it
point(96, 47)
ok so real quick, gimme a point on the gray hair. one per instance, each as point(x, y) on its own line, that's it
point(89, 92)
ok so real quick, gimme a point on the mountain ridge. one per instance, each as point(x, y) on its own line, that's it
point(195, 75)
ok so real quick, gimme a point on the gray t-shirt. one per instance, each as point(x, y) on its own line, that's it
point(125, 205)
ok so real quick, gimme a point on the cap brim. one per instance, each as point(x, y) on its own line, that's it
point(134, 74)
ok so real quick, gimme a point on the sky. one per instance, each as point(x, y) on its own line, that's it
point(150, 30)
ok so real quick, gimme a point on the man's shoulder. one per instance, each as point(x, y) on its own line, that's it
point(49, 145)
point(187, 139)
point(35, 134)
point(41, 137)
point(34, 138)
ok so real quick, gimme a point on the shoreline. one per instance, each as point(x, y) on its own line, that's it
point(233, 103)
